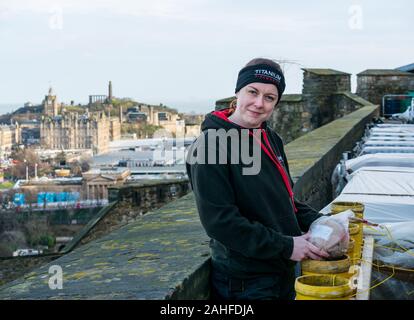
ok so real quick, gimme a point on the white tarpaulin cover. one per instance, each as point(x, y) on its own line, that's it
point(380, 208)
point(388, 195)
point(409, 129)
point(393, 143)
point(381, 181)
point(388, 149)
point(395, 126)
point(384, 183)
point(380, 159)
point(389, 138)
point(394, 246)
point(395, 243)
point(394, 135)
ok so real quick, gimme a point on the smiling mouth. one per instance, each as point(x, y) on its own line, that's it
point(255, 113)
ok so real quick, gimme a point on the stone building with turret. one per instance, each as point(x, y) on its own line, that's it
point(51, 107)
point(73, 131)
point(70, 131)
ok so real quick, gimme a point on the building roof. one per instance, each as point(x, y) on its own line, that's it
point(107, 171)
point(383, 72)
point(407, 68)
point(52, 181)
point(325, 72)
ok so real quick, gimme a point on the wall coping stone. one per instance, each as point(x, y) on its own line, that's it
point(308, 149)
point(384, 72)
point(325, 72)
point(361, 101)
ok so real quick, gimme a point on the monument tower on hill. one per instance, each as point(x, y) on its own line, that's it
point(110, 91)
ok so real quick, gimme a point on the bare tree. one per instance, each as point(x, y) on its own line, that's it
point(27, 158)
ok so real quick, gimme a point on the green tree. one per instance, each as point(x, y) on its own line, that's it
point(47, 240)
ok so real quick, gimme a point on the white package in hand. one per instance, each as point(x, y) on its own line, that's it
point(330, 233)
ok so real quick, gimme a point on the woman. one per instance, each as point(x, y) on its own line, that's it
point(253, 220)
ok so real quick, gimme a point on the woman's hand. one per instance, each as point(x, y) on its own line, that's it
point(303, 249)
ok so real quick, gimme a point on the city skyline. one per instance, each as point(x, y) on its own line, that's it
point(11, 107)
point(186, 54)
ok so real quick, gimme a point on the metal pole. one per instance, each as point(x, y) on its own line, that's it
point(27, 170)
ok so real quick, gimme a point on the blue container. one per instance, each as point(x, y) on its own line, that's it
point(41, 197)
point(61, 196)
point(72, 196)
point(50, 197)
point(18, 199)
point(76, 196)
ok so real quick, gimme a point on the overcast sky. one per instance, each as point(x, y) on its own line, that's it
point(187, 53)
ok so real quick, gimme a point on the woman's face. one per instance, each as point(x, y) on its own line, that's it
point(255, 104)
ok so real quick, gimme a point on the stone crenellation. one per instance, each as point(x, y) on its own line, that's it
point(373, 84)
point(318, 87)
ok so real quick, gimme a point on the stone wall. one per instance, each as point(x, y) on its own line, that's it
point(347, 102)
point(149, 193)
point(163, 255)
point(20, 230)
point(15, 267)
point(133, 201)
point(289, 118)
point(372, 85)
point(313, 156)
point(318, 87)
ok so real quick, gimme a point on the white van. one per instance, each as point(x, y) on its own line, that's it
point(26, 252)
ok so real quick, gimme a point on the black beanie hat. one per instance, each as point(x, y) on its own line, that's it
point(262, 73)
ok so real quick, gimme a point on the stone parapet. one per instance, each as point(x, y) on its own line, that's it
point(372, 85)
point(313, 156)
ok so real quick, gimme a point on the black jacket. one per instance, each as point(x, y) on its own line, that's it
point(249, 218)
